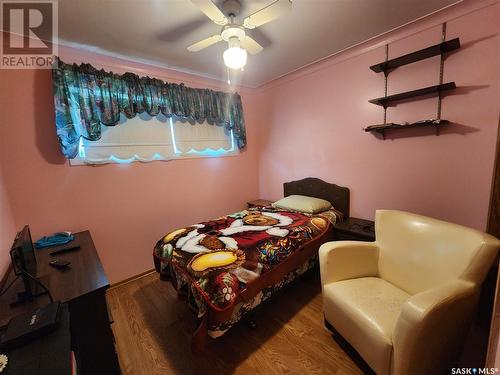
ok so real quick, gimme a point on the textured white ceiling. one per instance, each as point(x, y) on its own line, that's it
point(160, 30)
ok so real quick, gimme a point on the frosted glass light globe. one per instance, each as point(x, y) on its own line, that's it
point(235, 57)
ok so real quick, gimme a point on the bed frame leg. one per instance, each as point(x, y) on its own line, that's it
point(199, 336)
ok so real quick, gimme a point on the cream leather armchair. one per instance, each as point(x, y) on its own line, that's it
point(405, 302)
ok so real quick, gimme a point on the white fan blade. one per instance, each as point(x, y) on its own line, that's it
point(211, 11)
point(204, 43)
point(267, 14)
point(251, 45)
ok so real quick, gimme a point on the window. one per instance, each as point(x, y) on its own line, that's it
point(191, 140)
point(145, 138)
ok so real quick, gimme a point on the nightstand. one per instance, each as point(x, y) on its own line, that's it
point(354, 229)
point(259, 203)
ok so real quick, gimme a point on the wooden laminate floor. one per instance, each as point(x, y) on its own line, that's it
point(153, 332)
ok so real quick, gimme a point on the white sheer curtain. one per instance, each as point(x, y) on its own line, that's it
point(145, 138)
point(142, 138)
point(201, 137)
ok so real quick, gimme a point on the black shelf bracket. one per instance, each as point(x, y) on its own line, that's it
point(386, 81)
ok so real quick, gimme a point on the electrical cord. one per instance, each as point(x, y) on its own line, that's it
point(40, 284)
point(8, 286)
point(32, 278)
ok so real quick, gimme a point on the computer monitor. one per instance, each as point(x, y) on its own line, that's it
point(23, 253)
point(23, 258)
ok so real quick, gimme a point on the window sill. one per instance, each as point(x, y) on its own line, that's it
point(78, 161)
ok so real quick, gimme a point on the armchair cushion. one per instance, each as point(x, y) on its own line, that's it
point(365, 311)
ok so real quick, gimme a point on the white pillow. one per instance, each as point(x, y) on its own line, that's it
point(303, 203)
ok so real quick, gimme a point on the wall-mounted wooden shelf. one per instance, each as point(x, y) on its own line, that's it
point(382, 128)
point(386, 100)
point(388, 65)
point(422, 54)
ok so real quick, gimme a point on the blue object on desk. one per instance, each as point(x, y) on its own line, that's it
point(59, 238)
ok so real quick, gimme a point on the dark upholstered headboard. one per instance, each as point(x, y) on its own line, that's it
point(314, 187)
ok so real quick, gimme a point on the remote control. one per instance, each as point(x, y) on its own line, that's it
point(64, 250)
point(59, 263)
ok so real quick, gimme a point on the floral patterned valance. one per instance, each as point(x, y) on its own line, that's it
point(86, 97)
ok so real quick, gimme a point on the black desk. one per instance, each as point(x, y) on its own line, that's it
point(50, 354)
point(83, 288)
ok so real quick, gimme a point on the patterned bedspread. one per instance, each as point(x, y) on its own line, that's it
point(217, 259)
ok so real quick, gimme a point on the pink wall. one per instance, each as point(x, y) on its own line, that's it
point(315, 118)
point(7, 228)
point(126, 207)
point(307, 123)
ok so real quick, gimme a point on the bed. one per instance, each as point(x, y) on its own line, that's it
point(228, 266)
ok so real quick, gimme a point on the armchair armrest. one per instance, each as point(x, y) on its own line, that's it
point(422, 304)
point(431, 328)
point(343, 260)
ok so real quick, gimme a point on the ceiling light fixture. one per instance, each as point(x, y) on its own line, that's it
point(235, 57)
point(233, 31)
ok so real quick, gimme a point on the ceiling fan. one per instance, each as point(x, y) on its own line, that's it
point(235, 57)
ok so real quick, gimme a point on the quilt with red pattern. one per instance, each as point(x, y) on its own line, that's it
point(215, 260)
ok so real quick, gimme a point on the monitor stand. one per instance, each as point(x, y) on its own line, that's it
point(29, 294)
